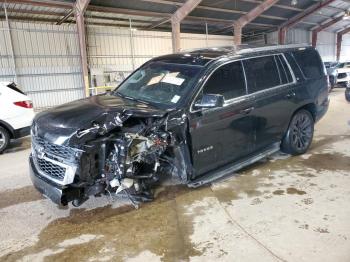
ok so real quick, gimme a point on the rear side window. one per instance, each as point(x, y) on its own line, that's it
point(14, 87)
point(285, 75)
point(261, 73)
point(228, 80)
point(309, 62)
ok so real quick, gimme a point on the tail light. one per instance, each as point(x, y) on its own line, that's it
point(25, 104)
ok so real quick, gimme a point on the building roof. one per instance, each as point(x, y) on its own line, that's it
point(218, 15)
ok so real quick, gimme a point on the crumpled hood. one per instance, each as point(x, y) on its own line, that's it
point(58, 124)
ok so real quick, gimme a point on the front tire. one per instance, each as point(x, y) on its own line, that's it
point(4, 139)
point(298, 137)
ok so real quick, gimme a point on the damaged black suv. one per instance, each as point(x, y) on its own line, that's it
point(195, 116)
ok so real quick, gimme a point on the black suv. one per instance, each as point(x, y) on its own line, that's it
point(197, 116)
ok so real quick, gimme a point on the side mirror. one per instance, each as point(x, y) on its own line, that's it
point(210, 101)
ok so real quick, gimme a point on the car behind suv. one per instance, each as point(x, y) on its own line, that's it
point(343, 74)
point(16, 113)
point(197, 116)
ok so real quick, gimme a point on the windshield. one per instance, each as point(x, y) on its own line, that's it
point(160, 83)
point(344, 65)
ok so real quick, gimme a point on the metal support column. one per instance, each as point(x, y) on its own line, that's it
point(175, 36)
point(132, 48)
point(206, 34)
point(323, 27)
point(340, 39)
point(248, 17)
point(237, 34)
point(11, 45)
point(282, 31)
point(176, 19)
point(80, 7)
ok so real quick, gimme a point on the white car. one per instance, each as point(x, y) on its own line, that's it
point(16, 113)
point(343, 77)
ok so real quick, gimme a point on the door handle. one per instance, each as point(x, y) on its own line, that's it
point(246, 110)
point(290, 95)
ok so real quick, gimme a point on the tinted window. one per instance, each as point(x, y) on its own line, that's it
point(14, 87)
point(261, 73)
point(228, 81)
point(281, 71)
point(285, 74)
point(309, 62)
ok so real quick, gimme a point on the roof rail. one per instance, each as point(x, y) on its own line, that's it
point(270, 48)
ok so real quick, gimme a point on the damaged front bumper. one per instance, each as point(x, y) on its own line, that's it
point(59, 194)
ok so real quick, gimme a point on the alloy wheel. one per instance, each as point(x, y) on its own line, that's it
point(301, 131)
point(2, 139)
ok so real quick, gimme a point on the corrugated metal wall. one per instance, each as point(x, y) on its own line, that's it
point(114, 52)
point(326, 43)
point(293, 36)
point(326, 46)
point(45, 61)
point(345, 52)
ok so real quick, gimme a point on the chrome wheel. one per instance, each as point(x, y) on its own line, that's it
point(2, 139)
point(301, 131)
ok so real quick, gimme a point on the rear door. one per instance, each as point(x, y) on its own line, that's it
point(225, 134)
point(272, 84)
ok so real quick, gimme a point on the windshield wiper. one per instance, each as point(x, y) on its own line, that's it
point(130, 98)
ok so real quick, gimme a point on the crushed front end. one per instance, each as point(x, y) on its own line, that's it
point(116, 154)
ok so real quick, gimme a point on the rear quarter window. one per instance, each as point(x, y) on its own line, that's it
point(309, 62)
point(15, 88)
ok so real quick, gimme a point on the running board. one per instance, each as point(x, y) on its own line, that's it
point(230, 168)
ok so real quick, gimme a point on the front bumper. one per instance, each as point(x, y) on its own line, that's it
point(60, 195)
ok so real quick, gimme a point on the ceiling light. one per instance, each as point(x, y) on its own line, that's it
point(294, 2)
point(346, 15)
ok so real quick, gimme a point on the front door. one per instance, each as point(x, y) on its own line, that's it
point(222, 135)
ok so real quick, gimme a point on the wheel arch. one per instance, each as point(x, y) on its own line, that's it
point(311, 107)
point(8, 127)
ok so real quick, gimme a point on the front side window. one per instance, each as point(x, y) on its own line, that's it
point(228, 80)
point(160, 83)
point(261, 73)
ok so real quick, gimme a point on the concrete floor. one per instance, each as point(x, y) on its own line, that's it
point(282, 209)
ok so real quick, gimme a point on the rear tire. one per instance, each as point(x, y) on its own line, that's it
point(298, 137)
point(4, 139)
point(347, 94)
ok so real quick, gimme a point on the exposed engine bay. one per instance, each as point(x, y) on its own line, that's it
point(119, 154)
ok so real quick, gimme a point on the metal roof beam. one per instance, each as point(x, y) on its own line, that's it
point(65, 17)
point(340, 40)
point(323, 27)
point(34, 12)
point(215, 9)
point(282, 32)
point(250, 16)
point(45, 3)
point(176, 19)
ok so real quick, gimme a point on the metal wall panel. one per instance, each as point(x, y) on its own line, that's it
point(326, 46)
point(345, 51)
point(46, 61)
point(113, 53)
point(326, 43)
